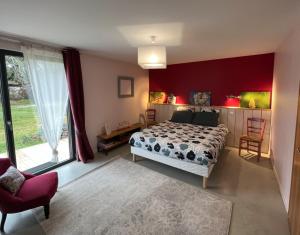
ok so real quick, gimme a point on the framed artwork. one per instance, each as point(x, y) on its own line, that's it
point(157, 97)
point(125, 87)
point(171, 99)
point(201, 98)
point(260, 100)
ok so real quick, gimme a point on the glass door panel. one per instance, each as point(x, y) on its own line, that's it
point(30, 149)
point(3, 151)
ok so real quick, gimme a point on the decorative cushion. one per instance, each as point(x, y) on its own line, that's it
point(12, 180)
point(209, 109)
point(182, 116)
point(206, 118)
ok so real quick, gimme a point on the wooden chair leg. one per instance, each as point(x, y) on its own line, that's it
point(248, 146)
point(4, 215)
point(259, 152)
point(133, 157)
point(47, 211)
point(240, 147)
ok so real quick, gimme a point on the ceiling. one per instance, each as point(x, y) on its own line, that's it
point(192, 30)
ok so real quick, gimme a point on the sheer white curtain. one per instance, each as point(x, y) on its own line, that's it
point(47, 78)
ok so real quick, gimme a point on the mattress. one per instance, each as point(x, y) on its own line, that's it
point(187, 142)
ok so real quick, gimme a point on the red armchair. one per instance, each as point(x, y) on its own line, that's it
point(36, 191)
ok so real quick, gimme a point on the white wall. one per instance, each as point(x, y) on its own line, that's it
point(9, 45)
point(284, 110)
point(101, 93)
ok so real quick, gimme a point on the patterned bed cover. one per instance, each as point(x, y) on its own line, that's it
point(187, 142)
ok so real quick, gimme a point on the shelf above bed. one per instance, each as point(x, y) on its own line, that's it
point(217, 107)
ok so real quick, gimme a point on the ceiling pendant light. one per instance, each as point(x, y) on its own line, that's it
point(152, 57)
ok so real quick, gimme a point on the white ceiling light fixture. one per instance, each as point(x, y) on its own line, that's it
point(152, 57)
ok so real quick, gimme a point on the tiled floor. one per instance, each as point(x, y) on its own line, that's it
point(251, 186)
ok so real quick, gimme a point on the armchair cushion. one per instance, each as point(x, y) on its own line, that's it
point(38, 190)
point(12, 180)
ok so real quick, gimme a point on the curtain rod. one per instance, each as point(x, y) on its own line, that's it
point(31, 42)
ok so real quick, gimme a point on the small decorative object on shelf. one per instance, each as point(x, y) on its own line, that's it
point(171, 99)
point(232, 101)
point(252, 103)
point(123, 125)
point(107, 128)
point(106, 142)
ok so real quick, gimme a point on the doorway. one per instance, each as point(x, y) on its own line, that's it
point(294, 205)
point(21, 133)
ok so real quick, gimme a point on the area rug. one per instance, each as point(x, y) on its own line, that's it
point(123, 197)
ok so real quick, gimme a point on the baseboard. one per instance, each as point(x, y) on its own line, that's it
point(267, 154)
point(278, 182)
point(41, 167)
point(272, 157)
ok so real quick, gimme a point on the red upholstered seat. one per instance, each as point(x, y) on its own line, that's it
point(36, 191)
point(46, 185)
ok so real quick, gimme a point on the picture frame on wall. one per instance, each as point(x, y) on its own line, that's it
point(171, 99)
point(125, 87)
point(157, 97)
point(201, 98)
point(254, 99)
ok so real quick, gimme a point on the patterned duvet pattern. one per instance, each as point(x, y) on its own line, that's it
point(187, 142)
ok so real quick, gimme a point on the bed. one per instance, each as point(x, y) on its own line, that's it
point(189, 147)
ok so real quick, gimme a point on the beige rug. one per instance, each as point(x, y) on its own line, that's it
point(123, 197)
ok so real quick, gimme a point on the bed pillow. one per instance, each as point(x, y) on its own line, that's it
point(12, 180)
point(206, 118)
point(182, 116)
point(209, 109)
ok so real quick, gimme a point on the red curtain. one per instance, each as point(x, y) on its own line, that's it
point(76, 95)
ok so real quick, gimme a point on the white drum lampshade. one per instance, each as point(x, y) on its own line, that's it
point(152, 57)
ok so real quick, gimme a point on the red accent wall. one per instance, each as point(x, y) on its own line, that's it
point(222, 77)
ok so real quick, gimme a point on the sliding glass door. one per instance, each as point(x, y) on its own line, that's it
point(22, 137)
point(3, 150)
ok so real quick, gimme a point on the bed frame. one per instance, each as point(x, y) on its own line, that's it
point(186, 166)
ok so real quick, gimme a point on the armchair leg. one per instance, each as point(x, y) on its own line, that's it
point(47, 211)
point(3, 222)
